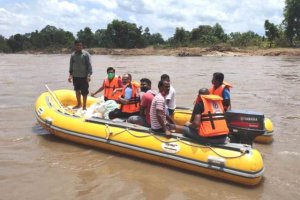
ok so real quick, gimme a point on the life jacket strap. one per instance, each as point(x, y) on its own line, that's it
point(211, 120)
point(212, 117)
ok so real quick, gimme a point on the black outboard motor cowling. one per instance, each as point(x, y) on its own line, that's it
point(244, 126)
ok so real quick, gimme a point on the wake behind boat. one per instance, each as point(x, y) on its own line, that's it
point(234, 162)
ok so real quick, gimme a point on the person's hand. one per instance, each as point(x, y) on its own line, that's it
point(187, 123)
point(88, 78)
point(168, 133)
point(93, 94)
point(171, 127)
point(70, 78)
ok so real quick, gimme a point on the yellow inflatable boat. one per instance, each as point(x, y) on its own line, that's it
point(238, 163)
point(245, 126)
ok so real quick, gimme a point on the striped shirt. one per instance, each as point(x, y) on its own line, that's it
point(158, 103)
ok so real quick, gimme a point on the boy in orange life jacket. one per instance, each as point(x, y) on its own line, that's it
point(129, 100)
point(110, 83)
point(221, 88)
point(205, 125)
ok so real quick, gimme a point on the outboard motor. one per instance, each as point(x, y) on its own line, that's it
point(244, 126)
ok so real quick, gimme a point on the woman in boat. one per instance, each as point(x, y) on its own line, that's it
point(207, 123)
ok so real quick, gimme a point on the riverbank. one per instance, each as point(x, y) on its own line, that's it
point(196, 51)
point(211, 51)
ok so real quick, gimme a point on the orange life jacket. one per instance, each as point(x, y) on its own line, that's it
point(110, 86)
point(219, 90)
point(134, 102)
point(213, 121)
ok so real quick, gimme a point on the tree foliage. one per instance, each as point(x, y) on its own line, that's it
point(4, 48)
point(292, 20)
point(87, 37)
point(156, 39)
point(152, 39)
point(281, 40)
point(245, 39)
point(271, 31)
point(48, 37)
point(102, 39)
point(122, 34)
point(15, 42)
point(206, 35)
point(180, 38)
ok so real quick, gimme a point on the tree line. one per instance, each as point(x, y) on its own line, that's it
point(122, 34)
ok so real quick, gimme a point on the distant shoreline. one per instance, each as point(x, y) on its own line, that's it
point(182, 51)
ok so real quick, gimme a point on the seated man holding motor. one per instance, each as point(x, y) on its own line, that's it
point(207, 123)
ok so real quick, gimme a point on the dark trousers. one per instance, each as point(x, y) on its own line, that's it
point(117, 113)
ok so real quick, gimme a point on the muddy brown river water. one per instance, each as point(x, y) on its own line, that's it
point(36, 165)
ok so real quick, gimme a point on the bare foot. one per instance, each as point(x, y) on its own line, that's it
point(76, 107)
point(84, 108)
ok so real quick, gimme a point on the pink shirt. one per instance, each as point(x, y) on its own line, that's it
point(146, 103)
point(158, 103)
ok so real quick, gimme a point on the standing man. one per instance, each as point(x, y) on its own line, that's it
point(221, 88)
point(80, 73)
point(170, 98)
point(158, 117)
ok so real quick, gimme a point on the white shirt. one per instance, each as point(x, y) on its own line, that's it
point(171, 98)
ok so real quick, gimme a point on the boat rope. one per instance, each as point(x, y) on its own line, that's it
point(149, 134)
point(54, 97)
point(229, 157)
point(212, 149)
point(107, 131)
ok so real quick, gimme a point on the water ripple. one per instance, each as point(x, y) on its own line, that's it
point(289, 153)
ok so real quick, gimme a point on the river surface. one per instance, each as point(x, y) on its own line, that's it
point(35, 165)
